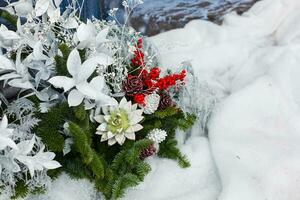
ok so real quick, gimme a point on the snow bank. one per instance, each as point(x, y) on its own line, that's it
point(167, 181)
point(254, 60)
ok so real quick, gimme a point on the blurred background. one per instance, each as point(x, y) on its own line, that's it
point(156, 16)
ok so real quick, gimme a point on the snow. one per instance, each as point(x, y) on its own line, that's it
point(254, 134)
point(65, 188)
point(254, 61)
point(168, 181)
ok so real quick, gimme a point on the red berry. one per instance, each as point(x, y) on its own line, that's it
point(139, 99)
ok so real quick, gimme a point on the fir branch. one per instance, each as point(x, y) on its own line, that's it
point(124, 182)
point(186, 122)
point(50, 125)
point(168, 149)
point(168, 112)
point(88, 155)
point(75, 167)
point(61, 61)
point(142, 169)
point(21, 190)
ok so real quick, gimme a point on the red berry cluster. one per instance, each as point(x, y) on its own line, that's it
point(153, 82)
point(138, 59)
point(148, 80)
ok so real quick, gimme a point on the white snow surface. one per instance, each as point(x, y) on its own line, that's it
point(254, 133)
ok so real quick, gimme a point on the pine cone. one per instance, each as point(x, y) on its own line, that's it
point(150, 151)
point(133, 85)
point(151, 103)
point(165, 101)
point(157, 135)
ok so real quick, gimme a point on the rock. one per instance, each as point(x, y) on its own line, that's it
point(154, 17)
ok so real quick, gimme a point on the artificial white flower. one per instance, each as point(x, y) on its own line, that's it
point(80, 73)
point(41, 160)
point(119, 123)
point(151, 103)
point(5, 135)
point(88, 37)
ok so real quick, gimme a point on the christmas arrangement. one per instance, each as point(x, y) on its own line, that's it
point(91, 101)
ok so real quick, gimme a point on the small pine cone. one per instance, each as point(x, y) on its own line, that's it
point(165, 101)
point(157, 135)
point(151, 103)
point(150, 151)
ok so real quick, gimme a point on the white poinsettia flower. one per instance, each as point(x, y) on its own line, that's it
point(80, 74)
point(41, 160)
point(5, 135)
point(120, 122)
point(88, 37)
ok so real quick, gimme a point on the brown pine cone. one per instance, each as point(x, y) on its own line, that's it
point(133, 85)
point(165, 101)
point(150, 151)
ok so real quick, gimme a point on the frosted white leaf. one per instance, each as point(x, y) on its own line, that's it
point(98, 83)
point(8, 76)
point(41, 7)
point(5, 63)
point(62, 82)
point(103, 59)
point(5, 135)
point(6, 162)
point(6, 34)
point(101, 36)
point(19, 83)
point(86, 89)
point(44, 107)
point(54, 15)
point(94, 93)
point(74, 63)
point(86, 31)
point(45, 159)
point(5, 141)
point(90, 65)
point(22, 8)
point(70, 23)
point(38, 51)
point(26, 146)
point(67, 146)
point(57, 3)
point(75, 98)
